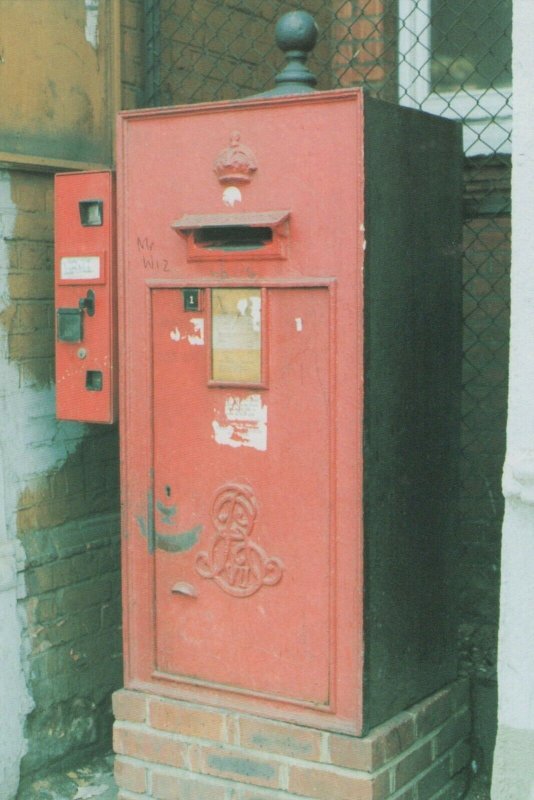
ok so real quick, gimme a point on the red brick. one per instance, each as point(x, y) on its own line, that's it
point(354, 753)
point(370, 51)
point(455, 729)
point(185, 720)
point(169, 786)
point(434, 780)
point(395, 736)
point(372, 7)
point(129, 706)
point(344, 53)
point(412, 764)
point(345, 11)
point(354, 76)
point(273, 737)
point(380, 746)
point(232, 729)
point(258, 794)
point(151, 747)
point(130, 776)
point(236, 765)
point(337, 785)
point(341, 33)
point(365, 27)
point(433, 711)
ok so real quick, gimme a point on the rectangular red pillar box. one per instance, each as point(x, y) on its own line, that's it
point(290, 312)
point(86, 307)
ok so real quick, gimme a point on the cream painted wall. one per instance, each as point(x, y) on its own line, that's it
point(513, 772)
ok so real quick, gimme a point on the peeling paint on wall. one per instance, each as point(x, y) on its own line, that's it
point(91, 22)
point(32, 442)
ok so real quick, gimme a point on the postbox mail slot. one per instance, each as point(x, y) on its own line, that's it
point(232, 237)
point(247, 235)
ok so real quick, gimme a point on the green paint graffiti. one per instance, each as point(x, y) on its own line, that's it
point(172, 543)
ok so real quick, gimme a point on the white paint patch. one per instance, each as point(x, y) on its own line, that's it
point(298, 324)
point(195, 338)
point(198, 336)
point(251, 307)
point(231, 196)
point(32, 443)
point(87, 792)
point(244, 424)
point(80, 268)
point(91, 22)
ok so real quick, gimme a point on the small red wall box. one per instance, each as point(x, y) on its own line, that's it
point(289, 293)
point(86, 314)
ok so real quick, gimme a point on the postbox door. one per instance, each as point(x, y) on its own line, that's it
point(242, 528)
point(86, 314)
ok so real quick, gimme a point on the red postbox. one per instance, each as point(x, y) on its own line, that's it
point(289, 312)
point(86, 307)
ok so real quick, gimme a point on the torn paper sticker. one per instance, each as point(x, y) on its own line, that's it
point(244, 423)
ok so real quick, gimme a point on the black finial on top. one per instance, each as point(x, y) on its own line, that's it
point(296, 34)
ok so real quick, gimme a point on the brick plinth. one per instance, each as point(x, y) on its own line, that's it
point(171, 750)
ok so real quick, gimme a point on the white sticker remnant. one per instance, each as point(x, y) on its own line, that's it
point(298, 324)
point(245, 423)
point(251, 306)
point(80, 268)
point(198, 336)
point(231, 196)
point(195, 338)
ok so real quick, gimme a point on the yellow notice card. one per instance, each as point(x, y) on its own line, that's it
point(236, 335)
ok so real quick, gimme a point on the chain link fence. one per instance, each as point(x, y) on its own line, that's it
point(449, 57)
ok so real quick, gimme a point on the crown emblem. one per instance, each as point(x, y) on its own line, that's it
point(236, 163)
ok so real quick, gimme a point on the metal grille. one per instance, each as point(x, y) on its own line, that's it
point(450, 57)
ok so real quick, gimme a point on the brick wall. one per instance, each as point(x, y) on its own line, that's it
point(73, 613)
point(169, 750)
point(210, 52)
point(61, 484)
point(60, 499)
point(365, 52)
point(61, 502)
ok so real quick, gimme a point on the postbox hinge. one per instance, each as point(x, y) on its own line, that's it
point(150, 529)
